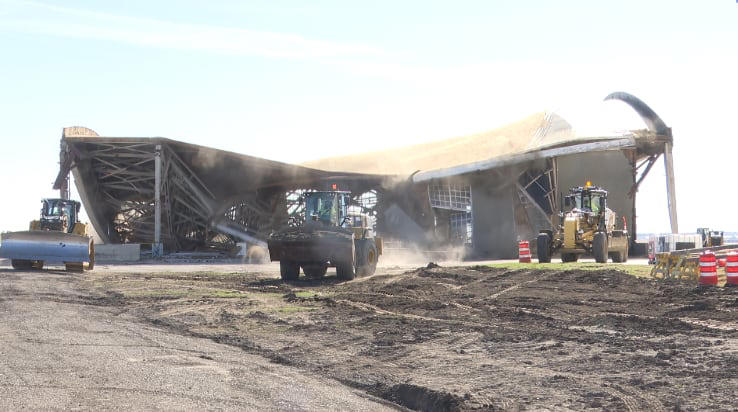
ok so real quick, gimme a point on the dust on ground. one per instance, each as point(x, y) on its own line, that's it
point(465, 338)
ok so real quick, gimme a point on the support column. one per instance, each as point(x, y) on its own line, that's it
point(157, 250)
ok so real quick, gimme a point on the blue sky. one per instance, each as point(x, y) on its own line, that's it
point(293, 81)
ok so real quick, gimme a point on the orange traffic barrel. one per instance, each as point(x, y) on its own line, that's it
point(731, 269)
point(523, 251)
point(708, 269)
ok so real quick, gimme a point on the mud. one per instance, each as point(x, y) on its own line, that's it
point(467, 338)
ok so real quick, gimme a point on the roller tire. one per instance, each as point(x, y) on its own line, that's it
point(599, 247)
point(74, 266)
point(21, 264)
point(544, 248)
point(289, 270)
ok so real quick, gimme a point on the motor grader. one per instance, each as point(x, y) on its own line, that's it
point(330, 236)
point(588, 227)
point(58, 236)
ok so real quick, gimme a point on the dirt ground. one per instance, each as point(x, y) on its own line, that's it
point(465, 338)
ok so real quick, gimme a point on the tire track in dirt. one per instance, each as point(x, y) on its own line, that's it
point(371, 308)
point(519, 285)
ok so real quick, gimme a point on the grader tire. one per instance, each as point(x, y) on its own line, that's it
point(599, 247)
point(621, 256)
point(544, 248)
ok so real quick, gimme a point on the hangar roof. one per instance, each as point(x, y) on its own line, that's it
point(530, 133)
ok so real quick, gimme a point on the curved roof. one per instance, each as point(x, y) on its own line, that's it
point(530, 133)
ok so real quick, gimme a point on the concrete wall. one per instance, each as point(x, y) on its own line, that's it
point(609, 170)
point(495, 235)
point(493, 198)
point(129, 252)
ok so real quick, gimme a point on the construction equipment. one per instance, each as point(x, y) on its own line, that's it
point(683, 264)
point(589, 227)
point(330, 236)
point(670, 242)
point(711, 238)
point(58, 236)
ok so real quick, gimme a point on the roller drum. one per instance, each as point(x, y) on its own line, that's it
point(45, 246)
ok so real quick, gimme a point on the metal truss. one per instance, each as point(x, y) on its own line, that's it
point(121, 177)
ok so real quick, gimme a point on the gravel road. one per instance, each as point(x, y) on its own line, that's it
point(60, 350)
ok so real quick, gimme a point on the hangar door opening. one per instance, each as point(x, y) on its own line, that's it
point(452, 208)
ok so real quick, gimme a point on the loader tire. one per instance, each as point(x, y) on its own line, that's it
point(599, 247)
point(345, 270)
point(369, 257)
point(21, 264)
point(316, 271)
point(544, 248)
point(569, 257)
point(289, 270)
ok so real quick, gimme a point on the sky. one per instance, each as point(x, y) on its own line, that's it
point(295, 81)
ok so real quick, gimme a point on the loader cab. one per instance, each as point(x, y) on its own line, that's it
point(59, 214)
point(328, 208)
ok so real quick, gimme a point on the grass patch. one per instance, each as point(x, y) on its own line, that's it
point(307, 294)
point(182, 293)
point(634, 270)
point(294, 309)
point(225, 294)
point(152, 293)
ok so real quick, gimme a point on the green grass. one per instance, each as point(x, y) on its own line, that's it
point(635, 270)
point(181, 293)
point(307, 294)
point(294, 309)
point(225, 294)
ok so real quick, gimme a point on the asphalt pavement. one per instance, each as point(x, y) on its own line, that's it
point(58, 350)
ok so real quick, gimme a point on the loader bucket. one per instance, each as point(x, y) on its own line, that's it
point(46, 246)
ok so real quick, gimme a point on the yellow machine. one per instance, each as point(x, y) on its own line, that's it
point(711, 238)
point(330, 236)
point(588, 227)
point(58, 236)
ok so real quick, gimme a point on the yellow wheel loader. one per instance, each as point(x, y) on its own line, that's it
point(588, 227)
point(330, 236)
point(58, 236)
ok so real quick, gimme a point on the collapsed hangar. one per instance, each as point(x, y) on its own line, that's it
point(482, 192)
